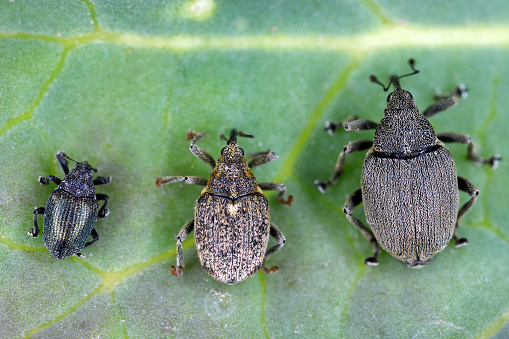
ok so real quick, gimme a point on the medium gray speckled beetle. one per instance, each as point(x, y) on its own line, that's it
point(231, 219)
point(409, 185)
point(71, 210)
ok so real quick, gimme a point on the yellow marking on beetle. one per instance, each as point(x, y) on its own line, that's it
point(204, 190)
point(232, 208)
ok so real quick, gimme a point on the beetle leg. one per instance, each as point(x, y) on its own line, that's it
point(186, 229)
point(103, 212)
point(440, 106)
point(188, 180)
point(351, 147)
point(35, 231)
point(359, 125)
point(351, 202)
point(460, 92)
point(350, 123)
point(280, 238)
point(445, 101)
point(202, 155)
point(63, 163)
point(274, 186)
point(102, 180)
point(45, 181)
point(95, 237)
point(466, 186)
point(261, 158)
point(472, 148)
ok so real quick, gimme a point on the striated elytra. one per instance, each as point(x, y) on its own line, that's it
point(231, 220)
point(409, 185)
point(71, 210)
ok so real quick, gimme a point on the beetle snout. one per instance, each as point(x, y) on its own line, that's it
point(399, 100)
point(84, 167)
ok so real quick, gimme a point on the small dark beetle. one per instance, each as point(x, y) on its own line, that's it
point(409, 185)
point(71, 210)
point(231, 218)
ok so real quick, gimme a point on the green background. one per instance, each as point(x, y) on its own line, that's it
point(119, 83)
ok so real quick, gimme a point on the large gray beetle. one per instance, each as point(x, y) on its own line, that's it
point(409, 185)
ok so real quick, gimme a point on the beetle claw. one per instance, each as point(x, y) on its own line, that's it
point(176, 271)
point(494, 161)
point(288, 201)
point(79, 255)
point(371, 261)
point(461, 242)
point(270, 270)
point(322, 186)
point(159, 182)
point(105, 213)
point(330, 127)
point(194, 136)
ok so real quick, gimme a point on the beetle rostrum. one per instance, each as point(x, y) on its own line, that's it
point(409, 185)
point(231, 219)
point(72, 209)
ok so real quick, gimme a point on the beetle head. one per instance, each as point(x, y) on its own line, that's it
point(79, 181)
point(84, 168)
point(233, 152)
point(231, 176)
point(399, 99)
point(403, 129)
point(80, 166)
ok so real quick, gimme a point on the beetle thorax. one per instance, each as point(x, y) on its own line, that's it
point(232, 177)
point(403, 129)
point(79, 181)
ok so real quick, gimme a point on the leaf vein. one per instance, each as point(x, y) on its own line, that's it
point(42, 92)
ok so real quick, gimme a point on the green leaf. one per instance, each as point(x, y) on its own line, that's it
point(119, 83)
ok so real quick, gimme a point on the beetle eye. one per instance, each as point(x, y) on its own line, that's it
point(223, 151)
point(388, 97)
point(241, 151)
point(411, 96)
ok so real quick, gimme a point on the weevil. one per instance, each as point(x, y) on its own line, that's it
point(231, 219)
point(72, 209)
point(409, 185)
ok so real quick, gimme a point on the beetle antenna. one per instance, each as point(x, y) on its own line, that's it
point(240, 134)
point(62, 153)
point(395, 78)
point(411, 62)
point(233, 136)
point(373, 78)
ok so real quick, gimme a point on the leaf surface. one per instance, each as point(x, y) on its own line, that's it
point(119, 84)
